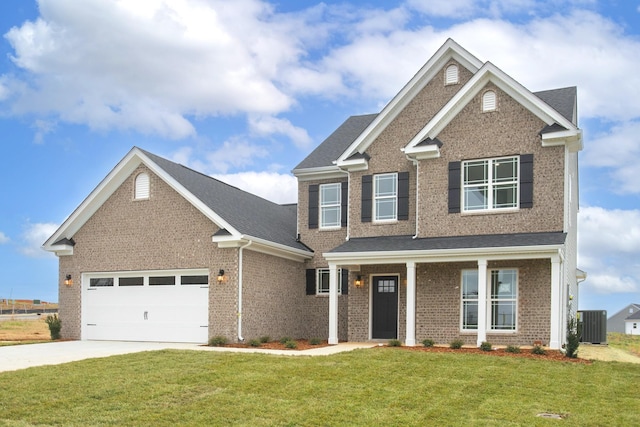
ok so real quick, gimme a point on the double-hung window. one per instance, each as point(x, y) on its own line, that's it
point(385, 195)
point(322, 281)
point(501, 303)
point(330, 202)
point(490, 184)
point(503, 300)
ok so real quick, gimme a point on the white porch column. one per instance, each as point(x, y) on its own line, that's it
point(333, 304)
point(482, 301)
point(411, 305)
point(557, 322)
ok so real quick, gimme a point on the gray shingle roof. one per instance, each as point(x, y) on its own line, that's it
point(634, 316)
point(562, 100)
point(336, 143)
point(407, 243)
point(246, 212)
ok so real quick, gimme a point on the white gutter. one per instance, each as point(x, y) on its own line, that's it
point(240, 257)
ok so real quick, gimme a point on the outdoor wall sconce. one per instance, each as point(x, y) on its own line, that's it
point(358, 282)
point(68, 281)
point(221, 277)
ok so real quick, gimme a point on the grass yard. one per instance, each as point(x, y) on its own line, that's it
point(629, 343)
point(380, 386)
point(24, 331)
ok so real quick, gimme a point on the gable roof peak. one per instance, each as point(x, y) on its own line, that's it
point(448, 51)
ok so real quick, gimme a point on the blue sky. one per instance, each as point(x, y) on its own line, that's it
point(244, 90)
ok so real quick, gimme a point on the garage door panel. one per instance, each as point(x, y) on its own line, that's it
point(169, 313)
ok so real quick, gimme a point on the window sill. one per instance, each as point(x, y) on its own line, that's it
point(490, 212)
point(330, 228)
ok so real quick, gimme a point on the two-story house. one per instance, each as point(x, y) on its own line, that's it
point(450, 214)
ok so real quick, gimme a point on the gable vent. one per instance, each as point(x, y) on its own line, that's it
point(451, 75)
point(489, 101)
point(142, 186)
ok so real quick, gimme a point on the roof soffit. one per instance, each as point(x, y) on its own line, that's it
point(491, 73)
point(111, 183)
point(448, 51)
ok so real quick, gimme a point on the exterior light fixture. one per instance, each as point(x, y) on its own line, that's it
point(68, 281)
point(221, 277)
point(358, 282)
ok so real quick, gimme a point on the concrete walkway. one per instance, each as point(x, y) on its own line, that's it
point(25, 356)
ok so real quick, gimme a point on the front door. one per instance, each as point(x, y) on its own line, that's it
point(385, 308)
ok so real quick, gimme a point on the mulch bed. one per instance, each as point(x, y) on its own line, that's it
point(553, 355)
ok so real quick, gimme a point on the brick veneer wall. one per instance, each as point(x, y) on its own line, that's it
point(162, 232)
point(472, 134)
point(386, 155)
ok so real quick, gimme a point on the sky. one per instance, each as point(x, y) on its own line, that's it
point(244, 90)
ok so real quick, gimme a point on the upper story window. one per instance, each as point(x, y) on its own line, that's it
point(451, 75)
point(489, 101)
point(330, 203)
point(141, 190)
point(385, 195)
point(490, 184)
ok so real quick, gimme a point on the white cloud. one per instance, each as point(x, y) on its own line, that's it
point(279, 188)
point(267, 125)
point(4, 238)
point(608, 248)
point(618, 150)
point(151, 65)
point(34, 236)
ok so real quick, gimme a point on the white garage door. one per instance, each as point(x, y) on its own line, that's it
point(159, 306)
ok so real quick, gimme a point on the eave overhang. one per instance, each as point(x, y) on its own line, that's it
point(325, 172)
point(263, 246)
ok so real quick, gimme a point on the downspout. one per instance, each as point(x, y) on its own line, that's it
point(240, 257)
point(348, 205)
point(417, 165)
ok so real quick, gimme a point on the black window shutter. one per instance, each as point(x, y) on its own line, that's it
point(367, 193)
point(403, 196)
point(454, 187)
point(526, 181)
point(313, 206)
point(345, 281)
point(344, 204)
point(311, 281)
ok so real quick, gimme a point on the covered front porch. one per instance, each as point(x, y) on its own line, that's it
point(453, 288)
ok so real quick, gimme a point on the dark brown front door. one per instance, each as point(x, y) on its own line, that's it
point(385, 307)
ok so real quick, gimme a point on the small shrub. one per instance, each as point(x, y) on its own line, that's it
point(512, 349)
point(254, 343)
point(485, 346)
point(428, 342)
point(394, 343)
point(538, 349)
point(573, 338)
point(265, 339)
point(456, 344)
point(284, 340)
point(291, 344)
point(218, 341)
point(55, 325)
point(315, 341)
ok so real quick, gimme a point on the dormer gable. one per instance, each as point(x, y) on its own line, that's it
point(559, 130)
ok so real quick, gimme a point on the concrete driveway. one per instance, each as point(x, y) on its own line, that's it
point(17, 357)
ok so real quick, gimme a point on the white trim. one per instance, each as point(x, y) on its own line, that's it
point(410, 339)
point(333, 304)
point(111, 183)
point(448, 51)
point(332, 185)
point(489, 73)
point(444, 255)
point(325, 172)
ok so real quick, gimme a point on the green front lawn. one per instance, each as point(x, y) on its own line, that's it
point(381, 386)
